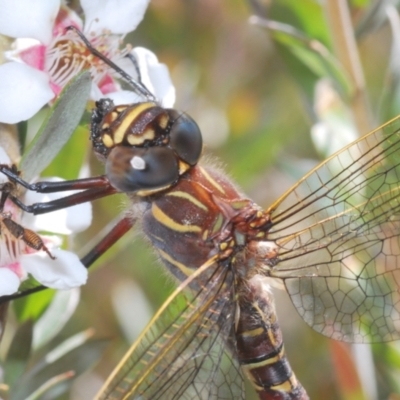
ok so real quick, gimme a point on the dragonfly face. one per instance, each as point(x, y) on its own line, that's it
point(146, 148)
point(333, 240)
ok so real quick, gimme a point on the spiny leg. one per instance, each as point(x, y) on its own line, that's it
point(92, 189)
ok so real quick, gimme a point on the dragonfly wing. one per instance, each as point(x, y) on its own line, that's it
point(337, 233)
point(182, 354)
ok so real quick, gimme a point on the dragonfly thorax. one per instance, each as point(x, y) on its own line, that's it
point(146, 147)
point(201, 216)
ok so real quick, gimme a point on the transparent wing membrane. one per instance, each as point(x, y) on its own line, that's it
point(182, 354)
point(338, 236)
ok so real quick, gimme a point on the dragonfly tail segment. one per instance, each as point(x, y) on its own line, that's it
point(260, 346)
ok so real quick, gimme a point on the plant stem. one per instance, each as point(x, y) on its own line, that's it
point(344, 42)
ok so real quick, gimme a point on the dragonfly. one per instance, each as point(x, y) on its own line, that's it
point(332, 241)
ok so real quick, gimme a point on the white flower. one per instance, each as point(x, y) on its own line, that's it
point(46, 56)
point(18, 259)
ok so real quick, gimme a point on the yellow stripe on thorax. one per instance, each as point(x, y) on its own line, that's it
point(164, 219)
point(119, 133)
point(182, 267)
point(187, 196)
point(212, 181)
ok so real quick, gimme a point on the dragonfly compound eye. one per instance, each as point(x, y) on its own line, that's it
point(185, 137)
point(142, 169)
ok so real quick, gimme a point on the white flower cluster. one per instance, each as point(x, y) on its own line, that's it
point(44, 56)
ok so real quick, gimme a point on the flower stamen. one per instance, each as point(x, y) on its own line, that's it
point(68, 56)
point(10, 246)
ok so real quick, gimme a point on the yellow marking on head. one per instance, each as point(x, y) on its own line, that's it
point(212, 181)
point(205, 235)
point(252, 333)
point(134, 140)
point(183, 268)
point(184, 195)
point(119, 109)
point(167, 221)
point(113, 116)
point(129, 117)
point(183, 167)
point(163, 122)
point(107, 140)
point(149, 134)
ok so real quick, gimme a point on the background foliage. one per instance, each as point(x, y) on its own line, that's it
point(253, 91)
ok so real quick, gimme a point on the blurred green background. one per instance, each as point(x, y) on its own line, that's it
point(252, 91)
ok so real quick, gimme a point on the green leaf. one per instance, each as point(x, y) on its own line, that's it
point(375, 16)
point(306, 15)
point(390, 98)
point(18, 353)
point(55, 131)
point(32, 307)
point(55, 317)
point(316, 58)
point(64, 165)
point(303, 39)
point(3, 318)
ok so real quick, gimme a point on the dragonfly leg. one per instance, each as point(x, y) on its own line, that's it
point(51, 187)
point(64, 202)
point(119, 230)
point(92, 189)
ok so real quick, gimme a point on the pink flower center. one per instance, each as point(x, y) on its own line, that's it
point(10, 246)
point(68, 56)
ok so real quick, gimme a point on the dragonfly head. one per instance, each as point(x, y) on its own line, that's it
point(145, 147)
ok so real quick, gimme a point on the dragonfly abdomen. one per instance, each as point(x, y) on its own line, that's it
point(260, 346)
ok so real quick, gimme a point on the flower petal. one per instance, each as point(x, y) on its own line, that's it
point(9, 282)
point(124, 97)
point(24, 91)
point(65, 221)
point(155, 76)
point(20, 18)
point(65, 272)
point(4, 159)
point(117, 16)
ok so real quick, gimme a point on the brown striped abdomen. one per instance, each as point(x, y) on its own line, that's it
point(260, 346)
